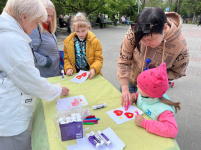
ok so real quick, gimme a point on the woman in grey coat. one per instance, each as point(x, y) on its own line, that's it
point(44, 44)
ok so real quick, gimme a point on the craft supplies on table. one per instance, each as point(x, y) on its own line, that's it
point(99, 106)
point(90, 120)
point(103, 140)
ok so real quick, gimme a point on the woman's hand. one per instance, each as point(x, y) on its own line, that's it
point(91, 73)
point(138, 120)
point(65, 91)
point(125, 96)
point(69, 72)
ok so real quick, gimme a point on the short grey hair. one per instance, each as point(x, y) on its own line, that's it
point(34, 9)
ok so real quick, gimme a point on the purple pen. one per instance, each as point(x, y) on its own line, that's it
point(62, 74)
point(105, 139)
point(93, 141)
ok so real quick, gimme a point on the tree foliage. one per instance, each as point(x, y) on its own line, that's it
point(74, 6)
point(2, 5)
point(192, 6)
point(121, 7)
point(153, 3)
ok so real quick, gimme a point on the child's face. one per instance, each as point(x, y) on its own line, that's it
point(82, 32)
point(143, 94)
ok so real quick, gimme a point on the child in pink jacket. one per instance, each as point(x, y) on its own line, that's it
point(152, 85)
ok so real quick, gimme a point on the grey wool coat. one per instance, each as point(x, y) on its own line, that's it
point(46, 54)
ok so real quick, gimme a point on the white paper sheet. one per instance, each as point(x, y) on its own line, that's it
point(80, 77)
point(71, 102)
point(84, 144)
point(120, 116)
point(117, 143)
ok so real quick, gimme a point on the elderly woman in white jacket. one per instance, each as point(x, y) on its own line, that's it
point(20, 81)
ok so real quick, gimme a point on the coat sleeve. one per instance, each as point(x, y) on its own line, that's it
point(166, 125)
point(126, 57)
point(179, 66)
point(42, 60)
point(24, 74)
point(67, 63)
point(98, 58)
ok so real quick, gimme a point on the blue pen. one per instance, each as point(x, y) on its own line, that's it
point(92, 119)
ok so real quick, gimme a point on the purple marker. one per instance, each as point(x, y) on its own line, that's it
point(97, 138)
point(93, 141)
point(62, 74)
point(104, 138)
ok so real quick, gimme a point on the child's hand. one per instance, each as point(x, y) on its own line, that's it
point(138, 120)
point(91, 73)
point(69, 72)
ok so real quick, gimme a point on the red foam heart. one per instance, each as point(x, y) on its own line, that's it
point(84, 74)
point(79, 77)
point(128, 115)
point(118, 112)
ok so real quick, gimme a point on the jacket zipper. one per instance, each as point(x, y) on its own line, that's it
point(81, 53)
point(87, 54)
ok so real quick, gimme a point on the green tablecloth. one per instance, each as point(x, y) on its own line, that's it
point(97, 90)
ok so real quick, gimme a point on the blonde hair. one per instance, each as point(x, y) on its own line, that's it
point(79, 21)
point(52, 26)
point(34, 9)
point(171, 103)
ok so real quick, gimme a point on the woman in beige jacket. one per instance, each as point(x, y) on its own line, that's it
point(155, 35)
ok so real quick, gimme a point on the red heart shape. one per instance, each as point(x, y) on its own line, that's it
point(80, 100)
point(128, 115)
point(79, 77)
point(75, 102)
point(84, 74)
point(118, 112)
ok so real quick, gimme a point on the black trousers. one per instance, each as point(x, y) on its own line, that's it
point(102, 24)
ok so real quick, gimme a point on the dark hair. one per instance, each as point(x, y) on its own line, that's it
point(150, 15)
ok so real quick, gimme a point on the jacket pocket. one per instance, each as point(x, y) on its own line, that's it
point(27, 105)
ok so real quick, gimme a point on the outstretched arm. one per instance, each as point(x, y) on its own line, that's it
point(166, 125)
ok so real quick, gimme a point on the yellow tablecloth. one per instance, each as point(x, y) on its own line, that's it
point(97, 90)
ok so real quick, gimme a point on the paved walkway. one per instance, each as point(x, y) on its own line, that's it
point(187, 90)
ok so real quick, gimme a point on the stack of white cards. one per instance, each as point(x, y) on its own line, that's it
point(84, 144)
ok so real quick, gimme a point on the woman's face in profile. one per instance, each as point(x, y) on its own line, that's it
point(50, 15)
point(153, 40)
point(29, 26)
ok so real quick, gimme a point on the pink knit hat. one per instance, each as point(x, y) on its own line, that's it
point(154, 82)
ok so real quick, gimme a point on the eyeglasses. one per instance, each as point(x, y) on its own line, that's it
point(145, 28)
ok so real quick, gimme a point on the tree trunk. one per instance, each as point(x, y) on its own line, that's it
point(194, 17)
point(161, 4)
point(143, 4)
point(170, 3)
point(178, 5)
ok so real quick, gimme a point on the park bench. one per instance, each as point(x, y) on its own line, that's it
point(94, 24)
